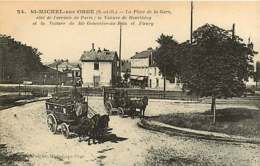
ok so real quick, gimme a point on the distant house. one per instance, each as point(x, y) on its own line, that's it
point(71, 72)
point(47, 76)
point(99, 67)
point(144, 72)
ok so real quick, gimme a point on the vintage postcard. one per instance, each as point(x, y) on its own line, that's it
point(130, 83)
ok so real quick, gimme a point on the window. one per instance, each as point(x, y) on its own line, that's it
point(69, 74)
point(157, 82)
point(96, 66)
point(172, 80)
point(77, 74)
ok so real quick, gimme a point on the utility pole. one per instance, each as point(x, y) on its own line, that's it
point(120, 40)
point(233, 31)
point(191, 21)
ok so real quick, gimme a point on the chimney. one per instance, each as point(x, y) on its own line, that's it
point(93, 47)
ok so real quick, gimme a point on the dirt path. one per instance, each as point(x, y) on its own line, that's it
point(24, 130)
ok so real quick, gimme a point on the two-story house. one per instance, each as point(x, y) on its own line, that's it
point(99, 67)
point(145, 72)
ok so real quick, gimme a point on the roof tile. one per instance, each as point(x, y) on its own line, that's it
point(98, 55)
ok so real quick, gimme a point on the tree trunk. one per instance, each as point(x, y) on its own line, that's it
point(164, 82)
point(213, 108)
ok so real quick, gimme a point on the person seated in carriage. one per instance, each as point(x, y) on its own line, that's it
point(84, 125)
point(81, 110)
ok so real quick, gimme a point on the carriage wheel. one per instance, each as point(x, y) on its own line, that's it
point(65, 130)
point(121, 112)
point(109, 108)
point(52, 123)
point(132, 112)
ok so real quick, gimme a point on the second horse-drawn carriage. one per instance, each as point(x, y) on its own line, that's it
point(117, 100)
point(69, 113)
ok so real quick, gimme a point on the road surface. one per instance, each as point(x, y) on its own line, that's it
point(24, 131)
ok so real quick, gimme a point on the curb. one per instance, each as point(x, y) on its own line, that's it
point(177, 101)
point(26, 101)
point(177, 131)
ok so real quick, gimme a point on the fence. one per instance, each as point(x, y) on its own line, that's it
point(32, 88)
point(152, 94)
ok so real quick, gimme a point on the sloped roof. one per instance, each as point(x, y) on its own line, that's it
point(49, 69)
point(98, 55)
point(63, 64)
point(143, 54)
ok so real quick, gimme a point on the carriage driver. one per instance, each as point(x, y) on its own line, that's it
point(81, 110)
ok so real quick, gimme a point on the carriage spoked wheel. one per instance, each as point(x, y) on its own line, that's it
point(121, 112)
point(52, 123)
point(109, 107)
point(65, 130)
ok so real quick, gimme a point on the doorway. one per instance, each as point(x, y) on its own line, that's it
point(96, 81)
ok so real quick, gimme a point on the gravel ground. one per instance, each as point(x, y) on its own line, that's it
point(24, 130)
point(155, 108)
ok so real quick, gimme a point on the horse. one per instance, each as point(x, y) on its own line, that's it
point(86, 126)
point(94, 133)
point(102, 125)
point(139, 104)
point(103, 121)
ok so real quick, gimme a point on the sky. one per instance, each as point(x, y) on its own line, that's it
point(69, 42)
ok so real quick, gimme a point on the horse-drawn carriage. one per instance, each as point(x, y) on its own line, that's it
point(69, 113)
point(117, 100)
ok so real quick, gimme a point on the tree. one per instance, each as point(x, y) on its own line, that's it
point(217, 64)
point(167, 57)
point(18, 61)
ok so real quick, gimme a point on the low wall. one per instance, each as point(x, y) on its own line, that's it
point(153, 94)
point(29, 88)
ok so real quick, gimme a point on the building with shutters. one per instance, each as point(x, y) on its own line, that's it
point(99, 67)
point(145, 73)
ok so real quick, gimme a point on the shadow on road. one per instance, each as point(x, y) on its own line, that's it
point(107, 137)
point(8, 158)
point(110, 137)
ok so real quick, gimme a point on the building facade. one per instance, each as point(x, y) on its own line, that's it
point(99, 68)
point(70, 73)
point(145, 72)
point(47, 76)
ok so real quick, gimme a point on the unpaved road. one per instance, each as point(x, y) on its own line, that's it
point(24, 130)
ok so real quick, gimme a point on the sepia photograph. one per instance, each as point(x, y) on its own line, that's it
point(129, 83)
